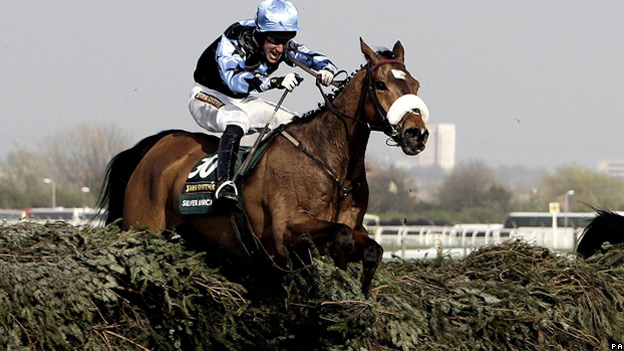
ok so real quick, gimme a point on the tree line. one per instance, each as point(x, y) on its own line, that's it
point(473, 192)
point(72, 162)
point(75, 160)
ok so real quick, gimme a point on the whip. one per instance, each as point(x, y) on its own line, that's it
point(243, 168)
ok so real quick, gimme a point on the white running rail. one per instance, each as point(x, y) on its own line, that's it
point(416, 241)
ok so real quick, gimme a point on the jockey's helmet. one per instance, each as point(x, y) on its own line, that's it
point(277, 16)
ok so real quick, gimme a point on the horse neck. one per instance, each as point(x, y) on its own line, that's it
point(338, 140)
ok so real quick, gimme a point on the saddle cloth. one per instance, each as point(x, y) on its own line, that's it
point(199, 190)
point(198, 194)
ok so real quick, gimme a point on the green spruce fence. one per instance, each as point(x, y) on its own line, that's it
point(75, 288)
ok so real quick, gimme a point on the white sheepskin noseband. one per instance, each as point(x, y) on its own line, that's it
point(405, 104)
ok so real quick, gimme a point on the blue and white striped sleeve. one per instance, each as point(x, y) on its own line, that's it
point(232, 70)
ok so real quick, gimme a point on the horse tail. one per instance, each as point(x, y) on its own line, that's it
point(118, 173)
point(606, 226)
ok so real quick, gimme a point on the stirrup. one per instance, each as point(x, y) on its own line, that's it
point(226, 183)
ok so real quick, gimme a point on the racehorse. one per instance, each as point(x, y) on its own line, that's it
point(607, 226)
point(310, 184)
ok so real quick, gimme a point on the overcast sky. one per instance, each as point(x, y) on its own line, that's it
point(531, 83)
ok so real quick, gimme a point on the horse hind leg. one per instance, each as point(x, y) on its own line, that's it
point(152, 218)
point(145, 202)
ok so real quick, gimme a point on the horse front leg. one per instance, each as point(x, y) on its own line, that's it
point(321, 232)
point(370, 253)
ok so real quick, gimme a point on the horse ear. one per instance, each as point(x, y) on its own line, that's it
point(398, 50)
point(370, 55)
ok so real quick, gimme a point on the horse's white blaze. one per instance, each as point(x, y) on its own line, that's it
point(405, 104)
point(398, 74)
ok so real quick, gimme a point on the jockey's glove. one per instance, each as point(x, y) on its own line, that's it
point(288, 82)
point(325, 76)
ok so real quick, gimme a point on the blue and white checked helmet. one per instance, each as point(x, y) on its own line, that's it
point(277, 16)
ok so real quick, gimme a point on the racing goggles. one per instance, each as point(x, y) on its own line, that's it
point(279, 38)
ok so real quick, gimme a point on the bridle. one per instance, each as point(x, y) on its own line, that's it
point(385, 126)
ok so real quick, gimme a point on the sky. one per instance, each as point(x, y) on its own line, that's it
point(534, 83)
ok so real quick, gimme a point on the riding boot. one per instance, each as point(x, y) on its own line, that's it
point(226, 193)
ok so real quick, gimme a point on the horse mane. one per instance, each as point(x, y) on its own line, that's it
point(383, 52)
point(118, 172)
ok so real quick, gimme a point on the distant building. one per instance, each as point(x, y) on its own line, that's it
point(613, 168)
point(440, 150)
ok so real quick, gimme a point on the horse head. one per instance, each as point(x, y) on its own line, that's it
point(396, 109)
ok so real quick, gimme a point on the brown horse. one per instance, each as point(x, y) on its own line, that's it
point(290, 196)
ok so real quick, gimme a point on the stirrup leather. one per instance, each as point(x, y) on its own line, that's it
point(228, 182)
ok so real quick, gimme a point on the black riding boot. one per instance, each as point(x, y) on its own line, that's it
point(226, 193)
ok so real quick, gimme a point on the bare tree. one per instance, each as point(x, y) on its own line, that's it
point(391, 190)
point(22, 181)
point(74, 159)
point(79, 156)
point(471, 185)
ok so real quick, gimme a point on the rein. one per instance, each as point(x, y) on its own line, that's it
point(385, 126)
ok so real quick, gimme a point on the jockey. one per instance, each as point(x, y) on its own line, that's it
point(238, 64)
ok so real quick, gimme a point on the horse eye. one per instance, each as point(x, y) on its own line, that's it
point(379, 85)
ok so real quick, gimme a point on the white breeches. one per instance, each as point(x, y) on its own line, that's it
point(214, 111)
